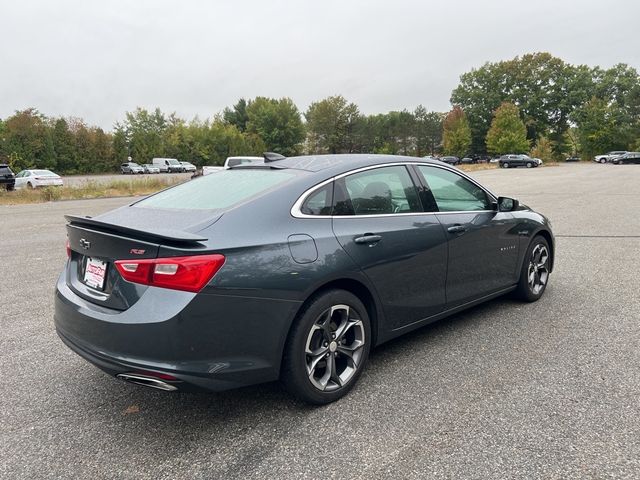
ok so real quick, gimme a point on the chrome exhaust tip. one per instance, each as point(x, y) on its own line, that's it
point(146, 381)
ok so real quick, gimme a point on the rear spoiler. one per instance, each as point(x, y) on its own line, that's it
point(164, 234)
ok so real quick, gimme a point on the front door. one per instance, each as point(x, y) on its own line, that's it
point(378, 220)
point(482, 242)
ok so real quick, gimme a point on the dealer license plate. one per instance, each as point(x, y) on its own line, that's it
point(94, 273)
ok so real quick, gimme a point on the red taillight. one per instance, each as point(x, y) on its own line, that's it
point(161, 376)
point(178, 273)
point(68, 249)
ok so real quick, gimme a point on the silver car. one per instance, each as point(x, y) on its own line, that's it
point(131, 167)
point(148, 168)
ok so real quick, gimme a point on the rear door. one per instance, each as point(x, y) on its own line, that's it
point(482, 242)
point(379, 221)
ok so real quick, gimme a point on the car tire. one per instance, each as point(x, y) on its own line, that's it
point(504, 165)
point(535, 271)
point(603, 160)
point(620, 162)
point(529, 165)
point(30, 185)
point(327, 348)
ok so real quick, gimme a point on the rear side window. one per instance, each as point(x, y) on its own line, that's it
point(319, 202)
point(223, 190)
point(379, 191)
point(454, 193)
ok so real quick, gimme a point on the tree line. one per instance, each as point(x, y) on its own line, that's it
point(535, 104)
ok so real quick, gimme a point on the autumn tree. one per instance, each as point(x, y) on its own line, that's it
point(456, 133)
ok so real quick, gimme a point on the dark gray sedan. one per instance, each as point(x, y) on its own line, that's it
point(292, 269)
point(511, 161)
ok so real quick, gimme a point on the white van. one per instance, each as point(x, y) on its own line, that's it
point(168, 165)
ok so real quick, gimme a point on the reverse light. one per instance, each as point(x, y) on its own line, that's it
point(189, 274)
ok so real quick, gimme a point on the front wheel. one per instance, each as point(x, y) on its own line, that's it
point(529, 164)
point(603, 160)
point(536, 268)
point(504, 165)
point(327, 348)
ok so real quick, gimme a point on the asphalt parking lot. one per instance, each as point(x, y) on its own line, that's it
point(505, 390)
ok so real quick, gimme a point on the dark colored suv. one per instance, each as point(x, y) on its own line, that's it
point(7, 178)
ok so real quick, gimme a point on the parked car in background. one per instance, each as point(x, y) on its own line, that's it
point(149, 168)
point(608, 157)
point(207, 304)
point(451, 160)
point(35, 178)
point(235, 161)
point(629, 157)
point(511, 161)
point(7, 178)
point(572, 159)
point(538, 161)
point(467, 160)
point(188, 167)
point(131, 168)
point(206, 170)
point(168, 165)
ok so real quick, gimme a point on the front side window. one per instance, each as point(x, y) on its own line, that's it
point(379, 191)
point(454, 193)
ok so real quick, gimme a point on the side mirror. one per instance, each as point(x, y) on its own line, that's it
point(507, 204)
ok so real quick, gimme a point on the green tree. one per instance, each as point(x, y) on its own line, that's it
point(427, 131)
point(546, 88)
point(64, 146)
point(278, 123)
point(331, 125)
point(237, 115)
point(507, 133)
point(456, 133)
point(602, 127)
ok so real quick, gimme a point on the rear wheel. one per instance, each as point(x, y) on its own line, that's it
point(534, 275)
point(504, 165)
point(529, 164)
point(30, 185)
point(327, 348)
point(603, 160)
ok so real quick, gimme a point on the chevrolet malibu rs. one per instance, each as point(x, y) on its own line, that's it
point(291, 269)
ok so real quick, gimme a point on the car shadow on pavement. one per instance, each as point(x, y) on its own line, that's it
point(262, 406)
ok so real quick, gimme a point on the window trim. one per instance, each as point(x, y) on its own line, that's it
point(296, 208)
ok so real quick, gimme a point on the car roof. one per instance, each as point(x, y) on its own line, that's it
point(335, 164)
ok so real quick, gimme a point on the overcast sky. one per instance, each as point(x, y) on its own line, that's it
point(98, 59)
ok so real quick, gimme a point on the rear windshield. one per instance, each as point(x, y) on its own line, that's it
point(5, 171)
point(220, 190)
point(44, 173)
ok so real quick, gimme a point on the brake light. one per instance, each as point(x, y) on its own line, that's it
point(190, 274)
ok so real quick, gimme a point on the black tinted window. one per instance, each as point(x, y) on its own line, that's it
point(5, 171)
point(378, 191)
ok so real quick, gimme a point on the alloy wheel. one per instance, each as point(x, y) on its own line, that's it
point(538, 272)
point(334, 348)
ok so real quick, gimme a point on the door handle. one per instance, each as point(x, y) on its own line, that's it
point(368, 238)
point(457, 229)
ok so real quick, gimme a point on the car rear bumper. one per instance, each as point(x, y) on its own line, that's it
point(179, 335)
